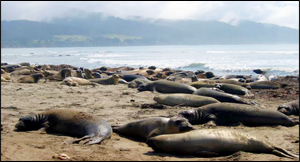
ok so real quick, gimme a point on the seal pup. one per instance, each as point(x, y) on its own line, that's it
point(290, 108)
point(220, 95)
point(33, 78)
point(137, 82)
point(214, 142)
point(183, 99)
point(114, 79)
point(69, 122)
point(154, 126)
point(234, 114)
point(165, 86)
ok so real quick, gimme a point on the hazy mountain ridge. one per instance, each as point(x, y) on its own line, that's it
point(95, 28)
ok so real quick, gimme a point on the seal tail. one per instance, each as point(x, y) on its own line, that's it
point(282, 152)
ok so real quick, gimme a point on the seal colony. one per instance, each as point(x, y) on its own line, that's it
point(117, 112)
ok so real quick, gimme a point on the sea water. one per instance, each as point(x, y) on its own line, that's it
point(278, 59)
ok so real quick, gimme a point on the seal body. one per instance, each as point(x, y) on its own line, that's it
point(165, 86)
point(212, 142)
point(263, 85)
point(113, 80)
point(220, 96)
point(233, 89)
point(184, 100)
point(290, 108)
point(137, 82)
point(131, 77)
point(33, 78)
point(151, 127)
point(233, 113)
point(68, 122)
point(75, 81)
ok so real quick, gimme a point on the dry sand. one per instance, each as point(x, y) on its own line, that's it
point(118, 104)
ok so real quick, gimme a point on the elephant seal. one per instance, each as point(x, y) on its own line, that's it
point(183, 99)
point(154, 126)
point(75, 81)
point(233, 89)
point(165, 86)
point(220, 96)
point(3, 79)
point(214, 142)
point(114, 79)
point(131, 77)
point(55, 75)
point(33, 78)
point(234, 113)
point(137, 82)
point(258, 77)
point(203, 83)
point(263, 85)
point(69, 122)
point(290, 108)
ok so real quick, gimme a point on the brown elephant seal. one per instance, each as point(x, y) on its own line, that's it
point(229, 81)
point(114, 79)
point(214, 142)
point(165, 86)
point(69, 122)
point(57, 75)
point(220, 96)
point(3, 79)
point(183, 99)
point(75, 81)
point(233, 89)
point(203, 83)
point(263, 85)
point(290, 108)
point(154, 126)
point(33, 78)
point(5, 75)
point(234, 113)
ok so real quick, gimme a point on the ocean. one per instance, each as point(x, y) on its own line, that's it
point(277, 59)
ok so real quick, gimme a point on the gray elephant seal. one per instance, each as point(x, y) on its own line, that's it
point(263, 85)
point(33, 78)
point(165, 86)
point(68, 122)
point(233, 113)
point(183, 99)
point(290, 108)
point(114, 79)
point(212, 142)
point(220, 96)
point(137, 82)
point(151, 127)
point(233, 89)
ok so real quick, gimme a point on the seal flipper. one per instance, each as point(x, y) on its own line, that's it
point(153, 133)
point(94, 140)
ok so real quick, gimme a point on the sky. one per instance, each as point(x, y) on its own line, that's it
point(282, 13)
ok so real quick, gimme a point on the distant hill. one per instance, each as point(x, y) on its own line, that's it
point(97, 30)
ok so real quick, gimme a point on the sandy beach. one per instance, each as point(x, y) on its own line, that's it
point(118, 104)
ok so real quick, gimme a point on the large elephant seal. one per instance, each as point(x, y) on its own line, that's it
point(154, 126)
point(214, 142)
point(263, 85)
point(57, 75)
point(75, 81)
point(68, 122)
point(183, 99)
point(165, 86)
point(33, 78)
point(114, 79)
point(220, 96)
point(290, 108)
point(233, 89)
point(233, 113)
point(203, 83)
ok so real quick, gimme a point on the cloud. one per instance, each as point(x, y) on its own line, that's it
point(274, 12)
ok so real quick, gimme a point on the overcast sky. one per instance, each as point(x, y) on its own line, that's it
point(283, 13)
